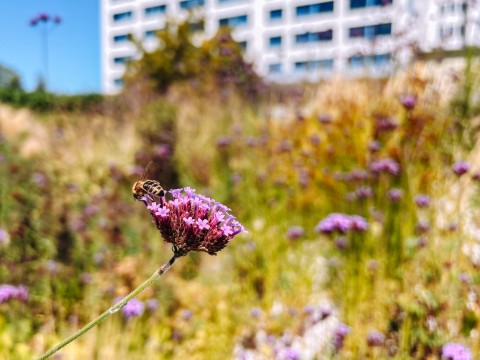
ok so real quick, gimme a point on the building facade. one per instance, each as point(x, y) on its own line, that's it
point(294, 40)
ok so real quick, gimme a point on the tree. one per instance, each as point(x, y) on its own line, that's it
point(9, 79)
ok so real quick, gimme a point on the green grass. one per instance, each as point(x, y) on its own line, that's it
point(282, 167)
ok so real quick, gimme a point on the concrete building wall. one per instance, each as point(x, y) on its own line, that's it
point(366, 35)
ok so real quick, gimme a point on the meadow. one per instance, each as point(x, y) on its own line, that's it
point(360, 198)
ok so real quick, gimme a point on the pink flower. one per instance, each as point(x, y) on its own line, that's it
point(192, 222)
point(162, 212)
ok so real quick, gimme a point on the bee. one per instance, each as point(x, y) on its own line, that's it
point(146, 186)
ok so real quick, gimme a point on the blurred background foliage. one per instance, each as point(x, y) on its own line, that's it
point(283, 158)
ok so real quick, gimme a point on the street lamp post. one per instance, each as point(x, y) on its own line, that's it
point(46, 23)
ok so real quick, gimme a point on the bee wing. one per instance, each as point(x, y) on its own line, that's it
point(150, 169)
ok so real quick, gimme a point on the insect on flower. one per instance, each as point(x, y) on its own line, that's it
point(147, 186)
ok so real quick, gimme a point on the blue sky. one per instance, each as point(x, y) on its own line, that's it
point(74, 45)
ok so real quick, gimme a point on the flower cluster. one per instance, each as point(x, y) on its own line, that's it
point(386, 165)
point(341, 223)
point(339, 336)
point(193, 222)
point(44, 17)
point(295, 232)
point(453, 351)
point(375, 338)
point(422, 200)
point(133, 308)
point(8, 292)
point(460, 168)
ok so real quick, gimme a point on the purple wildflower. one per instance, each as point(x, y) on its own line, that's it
point(341, 223)
point(339, 336)
point(408, 101)
point(373, 146)
point(453, 351)
point(422, 200)
point(363, 192)
point(358, 223)
point(315, 139)
point(9, 292)
point(460, 168)
point(395, 194)
point(192, 222)
point(187, 314)
point(341, 242)
point(384, 124)
point(224, 141)
point(256, 312)
point(295, 232)
point(133, 308)
point(4, 237)
point(152, 305)
point(422, 226)
point(288, 353)
point(386, 165)
point(375, 338)
point(324, 118)
point(334, 222)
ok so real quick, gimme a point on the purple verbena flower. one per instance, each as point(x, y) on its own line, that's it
point(386, 165)
point(339, 336)
point(395, 194)
point(334, 222)
point(341, 223)
point(408, 101)
point(422, 200)
point(152, 305)
point(384, 124)
point(460, 168)
point(4, 237)
point(287, 353)
point(453, 351)
point(358, 223)
point(363, 192)
point(224, 141)
point(9, 292)
point(256, 312)
point(133, 308)
point(375, 338)
point(295, 232)
point(193, 222)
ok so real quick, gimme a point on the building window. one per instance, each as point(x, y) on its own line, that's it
point(275, 68)
point(128, 15)
point(314, 65)
point(118, 82)
point(122, 38)
point(358, 4)
point(276, 14)
point(155, 10)
point(275, 41)
point(197, 26)
point(122, 59)
point(150, 34)
point(234, 21)
point(243, 45)
point(378, 60)
point(189, 4)
point(371, 31)
point(312, 37)
point(313, 9)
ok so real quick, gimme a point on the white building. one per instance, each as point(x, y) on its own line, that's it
point(291, 40)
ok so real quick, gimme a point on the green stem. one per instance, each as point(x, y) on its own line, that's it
point(156, 275)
